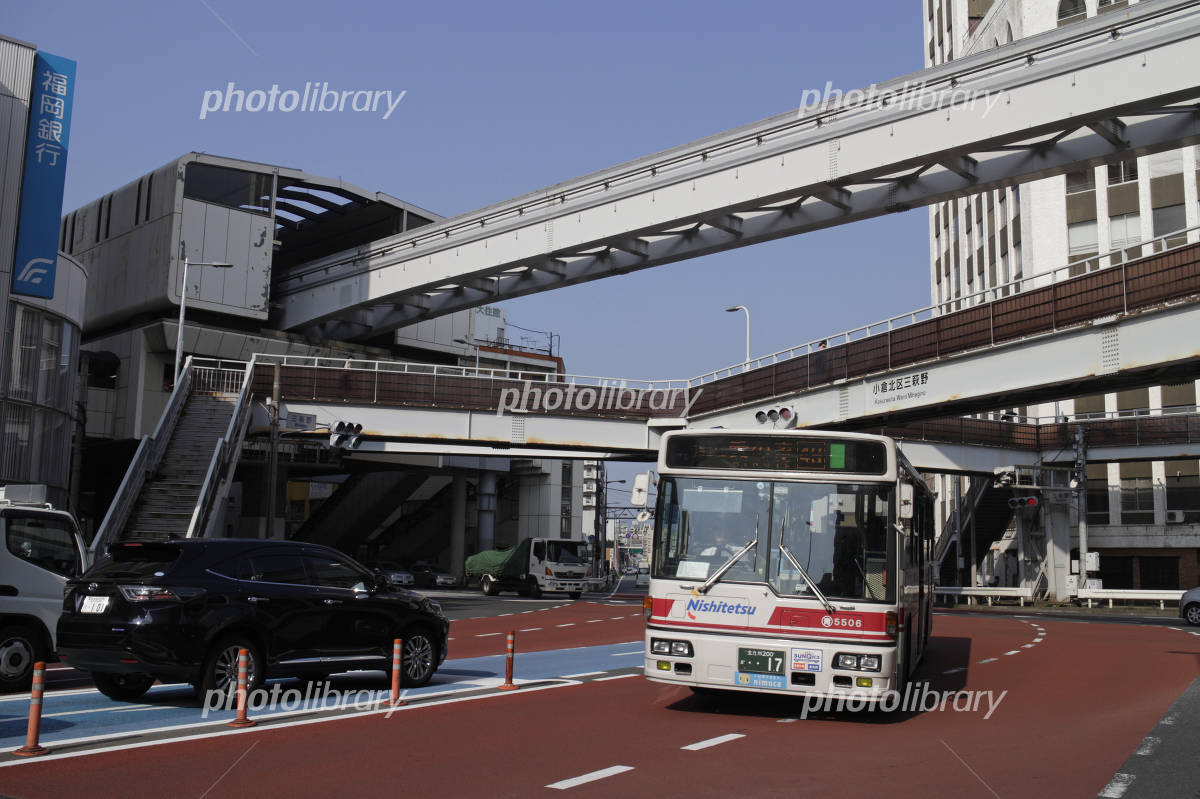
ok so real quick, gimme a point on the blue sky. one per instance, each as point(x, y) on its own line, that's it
point(502, 99)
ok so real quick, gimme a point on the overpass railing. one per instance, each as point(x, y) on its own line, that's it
point(1068, 296)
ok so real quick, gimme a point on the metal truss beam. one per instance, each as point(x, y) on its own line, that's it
point(1032, 109)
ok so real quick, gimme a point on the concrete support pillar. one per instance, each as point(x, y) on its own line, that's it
point(485, 501)
point(1056, 519)
point(458, 525)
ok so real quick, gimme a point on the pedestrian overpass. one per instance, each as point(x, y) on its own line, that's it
point(1118, 84)
point(1129, 324)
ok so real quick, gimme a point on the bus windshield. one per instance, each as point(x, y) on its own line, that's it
point(839, 533)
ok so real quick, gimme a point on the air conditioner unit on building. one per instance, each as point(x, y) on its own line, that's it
point(589, 502)
point(1174, 517)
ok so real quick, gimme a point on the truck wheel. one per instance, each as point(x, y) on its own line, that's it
point(489, 586)
point(20, 648)
point(535, 590)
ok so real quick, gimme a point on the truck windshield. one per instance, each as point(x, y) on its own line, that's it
point(564, 552)
point(840, 534)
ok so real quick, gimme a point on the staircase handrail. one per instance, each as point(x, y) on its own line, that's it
point(223, 460)
point(979, 485)
point(145, 461)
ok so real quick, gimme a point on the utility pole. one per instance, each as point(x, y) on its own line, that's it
point(1081, 500)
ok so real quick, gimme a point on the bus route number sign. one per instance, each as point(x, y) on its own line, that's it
point(760, 661)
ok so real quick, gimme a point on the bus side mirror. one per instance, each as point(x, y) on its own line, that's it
point(906, 501)
point(641, 490)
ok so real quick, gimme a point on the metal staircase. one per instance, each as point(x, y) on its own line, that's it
point(988, 507)
point(183, 471)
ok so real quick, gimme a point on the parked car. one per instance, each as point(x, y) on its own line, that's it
point(181, 610)
point(427, 576)
point(1189, 606)
point(394, 573)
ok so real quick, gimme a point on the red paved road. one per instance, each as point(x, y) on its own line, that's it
point(1079, 702)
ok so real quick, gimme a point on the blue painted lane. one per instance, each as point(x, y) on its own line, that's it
point(88, 714)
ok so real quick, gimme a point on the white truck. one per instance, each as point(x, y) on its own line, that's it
point(40, 548)
point(532, 567)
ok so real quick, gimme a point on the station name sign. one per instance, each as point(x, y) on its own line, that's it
point(776, 453)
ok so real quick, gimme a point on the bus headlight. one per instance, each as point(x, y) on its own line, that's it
point(663, 646)
point(847, 660)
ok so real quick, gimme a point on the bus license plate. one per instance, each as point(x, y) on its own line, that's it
point(94, 604)
point(760, 661)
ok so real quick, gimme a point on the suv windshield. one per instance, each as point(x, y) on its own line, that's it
point(837, 532)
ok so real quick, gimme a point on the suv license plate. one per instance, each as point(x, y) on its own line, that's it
point(94, 604)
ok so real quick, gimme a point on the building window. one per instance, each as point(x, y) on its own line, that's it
point(1081, 240)
point(1125, 231)
point(233, 188)
point(1081, 180)
point(1071, 11)
point(1137, 500)
point(1122, 172)
point(1111, 5)
point(1169, 219)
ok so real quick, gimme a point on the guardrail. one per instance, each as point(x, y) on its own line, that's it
point(1122, 593)
point(145, 460)
point(228, 447)
point(986, 592)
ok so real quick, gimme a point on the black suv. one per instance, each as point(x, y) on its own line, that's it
point(179, 610)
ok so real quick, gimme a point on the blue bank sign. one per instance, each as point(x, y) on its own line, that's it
point(44, 177)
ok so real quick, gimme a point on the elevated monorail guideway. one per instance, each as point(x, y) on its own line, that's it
point(1118, 84)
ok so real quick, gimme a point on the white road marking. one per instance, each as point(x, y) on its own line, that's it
point(93, 710)
point(1170, 718)
point(616, 618)
point(987, 660)
point(220, 729)
point(1027, 646)
point(1037, 640)
point(1149, 744)
point(1013, 652)
point(583, 674)
point(485, 635)
point(786, 721)
point(619, 654)
point(720, 739)
point(1117, 786)
point(505, 614)
point(562, 785)
point(529, 629)
point(955, 670)
point(618, 677)
point(593, 621)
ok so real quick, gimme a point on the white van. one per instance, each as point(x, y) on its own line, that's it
point(40, 548)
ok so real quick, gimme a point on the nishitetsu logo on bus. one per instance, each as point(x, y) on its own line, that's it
point(718, 606)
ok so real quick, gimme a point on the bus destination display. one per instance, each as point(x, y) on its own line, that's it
point(780, 453)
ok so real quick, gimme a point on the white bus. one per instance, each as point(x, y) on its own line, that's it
point(790, 562)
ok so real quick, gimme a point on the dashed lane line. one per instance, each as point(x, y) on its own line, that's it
point(1149, 744)
point(562, 785)
point(568, 624)
point(528, 629)
point(618, 677)
point(987, 660)
point(720, 739)
point(1117, 786)
point(486, 635)
point(583, 674)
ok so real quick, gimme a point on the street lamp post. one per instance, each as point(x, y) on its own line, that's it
point(472, 343)
point(604, 525)
point(183, 302)
point(735, 309)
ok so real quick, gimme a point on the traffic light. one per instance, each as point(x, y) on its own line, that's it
point(784, 417)
point(345, 436)
point(1023, 502)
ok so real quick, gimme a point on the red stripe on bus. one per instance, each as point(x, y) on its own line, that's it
point(808, 632)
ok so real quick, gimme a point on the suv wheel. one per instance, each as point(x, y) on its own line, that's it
point(418, 658)
point(20, 648)
point(1191, 614)
point(489, 586)
point(122, 687)
point(220, 671)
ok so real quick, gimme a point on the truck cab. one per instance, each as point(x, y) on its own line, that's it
point(40, 548)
